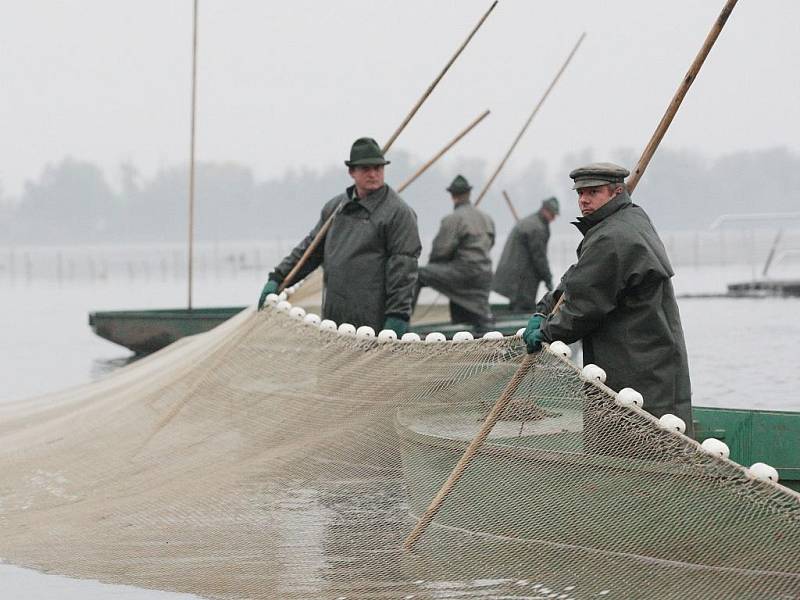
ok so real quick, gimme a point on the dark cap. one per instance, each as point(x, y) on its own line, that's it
point(601, 173)
point(459, 186)
point(551, 204)
point(365, 152)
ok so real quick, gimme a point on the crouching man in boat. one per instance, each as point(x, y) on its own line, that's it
point(459, 265)
point(369, 253)
point(523, 264)
point(618, 298)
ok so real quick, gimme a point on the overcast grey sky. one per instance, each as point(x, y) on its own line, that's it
point(291, 84)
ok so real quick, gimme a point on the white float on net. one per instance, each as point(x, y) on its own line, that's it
point(560, 349)
point(410, 337)
point(629, 397)
point(283, 295)
point(493, 335)
point(327, 325)
point(365, 331)
point(297, 313)
point(284, 306)
point(672, 423)
point(716, 447)
point(387, 335)
point(312, 319)
point(434, 337)
point(347, 329)
point(520, 331)
point(763, 472)
point(593, 373)
point(272, 299)
point(463, 336)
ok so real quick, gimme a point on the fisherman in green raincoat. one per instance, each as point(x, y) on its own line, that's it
point(618, 298)
point(459, 265)
point(523, 264)
point(369, 254)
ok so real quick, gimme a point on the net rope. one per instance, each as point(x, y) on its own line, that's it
point(271, 459)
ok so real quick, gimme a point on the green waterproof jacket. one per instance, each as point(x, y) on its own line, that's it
point(523, 264)
point(459, 265)
point(619, 300)
point(370, 258)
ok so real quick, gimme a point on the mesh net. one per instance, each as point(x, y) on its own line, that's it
point(271, 459)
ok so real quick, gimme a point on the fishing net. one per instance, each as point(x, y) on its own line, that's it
point(271, 459)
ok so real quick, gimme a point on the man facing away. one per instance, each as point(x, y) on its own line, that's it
point(369, 253)
point(459, 265)
point(523, 264)
point(618, 298)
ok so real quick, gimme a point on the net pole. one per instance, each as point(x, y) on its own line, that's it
point(511, 206)
point(530, 119)
point(677, 99)
point(190, 249)
point(441, 152)
point(327, 225)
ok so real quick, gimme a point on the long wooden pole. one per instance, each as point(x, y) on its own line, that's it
point(327, 225)
point(675, 103)
point(511, 206)
point(441, 152)
point(528, 122)
point(190, 266)
point(493, 415)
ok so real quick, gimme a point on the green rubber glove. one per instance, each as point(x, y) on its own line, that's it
point(271, 287)
point(400, 326)
point(533, 333)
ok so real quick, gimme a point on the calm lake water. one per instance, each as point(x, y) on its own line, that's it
point(742, 354)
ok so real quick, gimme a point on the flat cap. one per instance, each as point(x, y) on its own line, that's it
point(600, 173)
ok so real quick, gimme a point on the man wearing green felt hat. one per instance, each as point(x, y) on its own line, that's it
point(459, 265)
point(523, 264)
point(370, 252)
point(619, 299)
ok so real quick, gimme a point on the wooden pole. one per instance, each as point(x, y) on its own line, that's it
point(327, 225)
point(511, 206)
point(530, 118)
point(441, 152)
point(684, 86)
point(438, 78)
point(190, 266)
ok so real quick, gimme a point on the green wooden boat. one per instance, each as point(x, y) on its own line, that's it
point(145, 331)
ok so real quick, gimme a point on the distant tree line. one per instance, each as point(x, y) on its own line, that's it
point(73, 202)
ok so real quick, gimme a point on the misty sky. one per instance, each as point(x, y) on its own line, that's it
point(291, 84)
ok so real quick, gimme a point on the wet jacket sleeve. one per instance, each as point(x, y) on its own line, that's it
point(403, 247)
point(592, 285)
point(536, 243)
point(445, 243)
point(314, 260)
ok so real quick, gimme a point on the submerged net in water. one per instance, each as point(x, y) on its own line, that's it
point(271, 459)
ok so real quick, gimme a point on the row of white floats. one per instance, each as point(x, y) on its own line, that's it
point(627, 397)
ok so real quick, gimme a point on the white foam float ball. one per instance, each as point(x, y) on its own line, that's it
point(410, 337)
point(347, 329)
point(463, 336)
point(327, 325)
point(560, 349)
point(312, 319)
point(283, 295)
point(284, 306)
point(520, 331)
point(435, 336)
point(493, 335)
point(291, 289)
point(629, 397)
point(764, 472)
point(272, 299)
point(387, 335)
point(365, 331)
point(593, 373)
point(716, 447)
point(297, 312)
point(672, 423)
